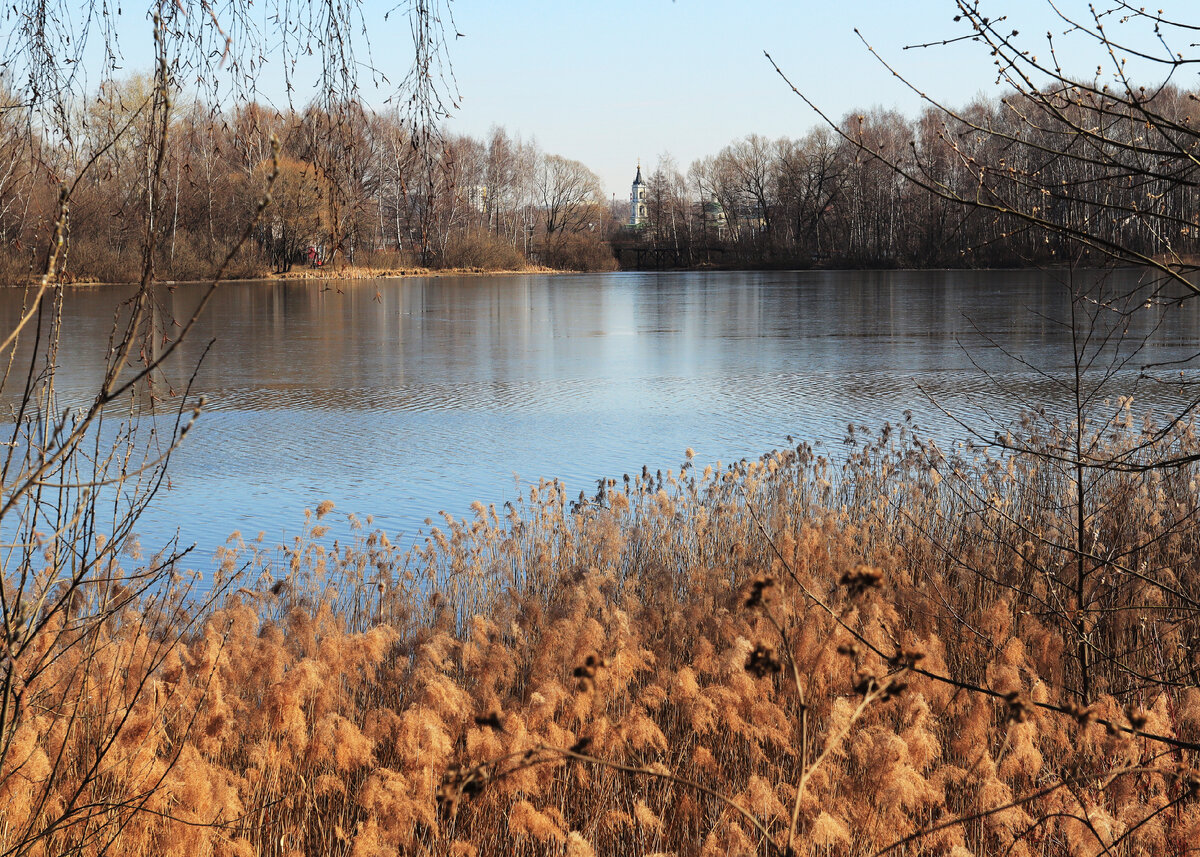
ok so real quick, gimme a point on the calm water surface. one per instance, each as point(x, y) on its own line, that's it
point(402, 398)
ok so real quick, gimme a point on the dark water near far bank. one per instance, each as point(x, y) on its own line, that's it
point(402, 398)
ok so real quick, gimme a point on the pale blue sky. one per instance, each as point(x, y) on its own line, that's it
point(609, 81)
point(606, 83)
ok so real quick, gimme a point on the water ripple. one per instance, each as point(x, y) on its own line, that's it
point(450, 390)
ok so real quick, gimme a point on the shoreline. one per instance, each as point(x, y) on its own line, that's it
point(358, 273)
point(350, 272)
point(316, 274)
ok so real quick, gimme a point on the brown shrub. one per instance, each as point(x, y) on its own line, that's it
point(482, 251)
point(580, 251)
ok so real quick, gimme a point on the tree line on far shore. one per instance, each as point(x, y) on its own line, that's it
point(352, 187)
point(858, 193)
point(365, 189)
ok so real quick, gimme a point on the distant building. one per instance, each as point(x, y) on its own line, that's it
point(477, 197)
point(714, 217)
point(637, 200)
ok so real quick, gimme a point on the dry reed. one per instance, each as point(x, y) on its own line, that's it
point(772, 657)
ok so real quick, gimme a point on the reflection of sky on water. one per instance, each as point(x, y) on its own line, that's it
point(402, 398)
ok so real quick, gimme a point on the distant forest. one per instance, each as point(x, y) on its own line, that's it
point(860, 195)
point(363, 189)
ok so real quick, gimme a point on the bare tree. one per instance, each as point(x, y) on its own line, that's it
point(812, 176)
point(746, 177)
point(76, 475)
point(567, 191)
point(1102, 164)
point(668, 204)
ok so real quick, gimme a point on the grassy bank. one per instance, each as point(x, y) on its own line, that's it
point(346, 272)
point(350, 272)
point(770, 657)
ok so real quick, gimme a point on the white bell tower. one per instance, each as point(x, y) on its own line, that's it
point(637, 199)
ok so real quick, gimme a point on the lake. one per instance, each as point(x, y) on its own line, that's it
point(403, 398)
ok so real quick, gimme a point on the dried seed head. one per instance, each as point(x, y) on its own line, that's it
point(850, 650)
point(759, 588)
point(474, 785)
point(590, 664)
point(1137, 717)
point(906, 658)
point(587, 672)
point(491, 720)
point(1018, 708)
point(763, 660)
point(865, 683)
point(461, 782)
point(861, 579)
point(1082, 714)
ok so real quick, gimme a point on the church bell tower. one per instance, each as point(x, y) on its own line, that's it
point(637, 199)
